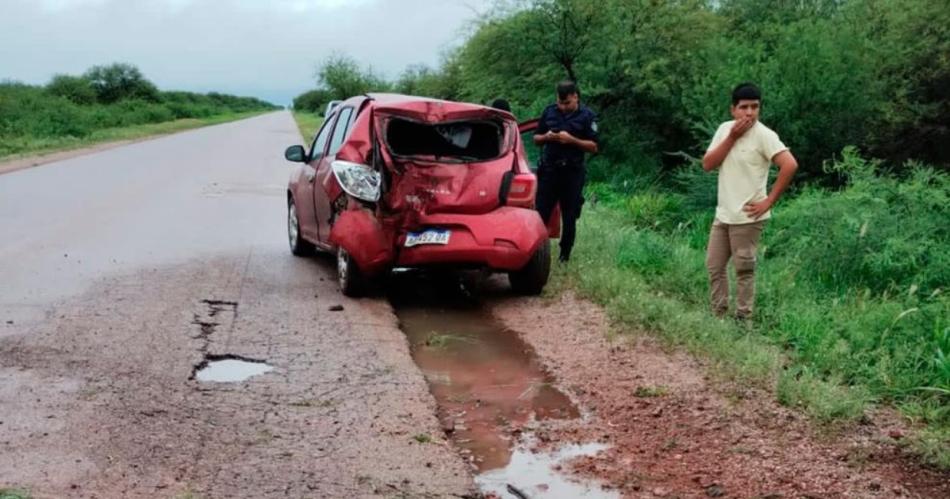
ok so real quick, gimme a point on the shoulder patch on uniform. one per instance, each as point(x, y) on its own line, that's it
point(593, 126)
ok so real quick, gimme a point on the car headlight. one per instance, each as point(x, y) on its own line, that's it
point(359, 181)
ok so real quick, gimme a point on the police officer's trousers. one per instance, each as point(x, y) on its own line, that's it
point(562, 184)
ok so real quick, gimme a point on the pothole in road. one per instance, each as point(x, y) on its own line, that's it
point(491, 391)
point(229, 369)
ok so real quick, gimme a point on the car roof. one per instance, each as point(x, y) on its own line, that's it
point(407, 102)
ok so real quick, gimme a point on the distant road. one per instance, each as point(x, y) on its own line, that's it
point(177, 197)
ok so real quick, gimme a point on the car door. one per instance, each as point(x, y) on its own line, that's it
point(533, 155)
point(306, 213)
point(324, 171)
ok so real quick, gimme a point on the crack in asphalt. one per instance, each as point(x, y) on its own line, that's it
point(207, 326)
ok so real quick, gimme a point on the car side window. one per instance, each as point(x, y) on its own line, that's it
point(343, 125)
point(320, 141)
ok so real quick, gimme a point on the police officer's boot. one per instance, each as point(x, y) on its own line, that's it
point(564, 256)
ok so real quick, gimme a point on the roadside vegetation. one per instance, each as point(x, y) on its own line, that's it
point(851, 304)
point(854, 266)
point(106, 103)
point(14, 494)
point(308, 122)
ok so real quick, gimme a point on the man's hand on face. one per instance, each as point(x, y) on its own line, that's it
point(756, 210)
point(740, 127)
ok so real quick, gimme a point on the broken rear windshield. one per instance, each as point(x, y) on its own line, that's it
point(463, 141)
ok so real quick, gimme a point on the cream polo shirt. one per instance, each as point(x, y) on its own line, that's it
point(745, 171)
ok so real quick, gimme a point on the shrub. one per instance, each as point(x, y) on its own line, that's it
point(77, 89)
point(880, 233)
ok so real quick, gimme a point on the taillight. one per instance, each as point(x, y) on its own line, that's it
point(522, 190)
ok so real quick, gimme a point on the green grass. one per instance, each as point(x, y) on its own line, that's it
point(29, 146)
point(14, 494)
point(422, 438)
point(308, 123)
point(850, 303)
point(650, 391)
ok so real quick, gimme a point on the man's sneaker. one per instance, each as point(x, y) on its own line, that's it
point(743, 320)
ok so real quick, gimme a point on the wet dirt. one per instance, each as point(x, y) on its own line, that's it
point(676, 430)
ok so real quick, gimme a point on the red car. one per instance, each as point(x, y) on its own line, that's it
point(398, 181)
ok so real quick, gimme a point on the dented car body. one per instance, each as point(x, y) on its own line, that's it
point(393, 181)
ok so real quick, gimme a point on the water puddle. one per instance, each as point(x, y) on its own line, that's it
point(229, 369)
point(490, 387)
point(534, 475)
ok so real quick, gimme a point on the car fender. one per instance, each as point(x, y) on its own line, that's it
point(362, 236)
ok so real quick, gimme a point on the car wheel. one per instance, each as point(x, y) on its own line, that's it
point(531, 278)
point(351, 279)
point(298, 245)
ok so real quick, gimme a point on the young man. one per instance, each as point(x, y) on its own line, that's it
point(744, 148)
point(566, 130)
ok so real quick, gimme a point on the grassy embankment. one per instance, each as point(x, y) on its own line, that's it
point(14, 494)
point(308, 123)
point(109, 103)
point(852, 310)
point(42, 145)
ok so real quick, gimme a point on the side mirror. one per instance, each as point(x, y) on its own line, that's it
point(296, 154)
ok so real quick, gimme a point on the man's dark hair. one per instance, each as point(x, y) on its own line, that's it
point(746, 91)
point(501, 104)
point(567, 87)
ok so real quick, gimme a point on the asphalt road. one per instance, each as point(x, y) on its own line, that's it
point(121, 271)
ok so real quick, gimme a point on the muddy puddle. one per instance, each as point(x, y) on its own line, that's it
point(534, 474)
point(491, 389)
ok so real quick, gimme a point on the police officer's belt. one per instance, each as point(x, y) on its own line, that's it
point(563, 163)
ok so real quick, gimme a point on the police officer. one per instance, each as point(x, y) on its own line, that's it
point(501, 104)
point(566, 130)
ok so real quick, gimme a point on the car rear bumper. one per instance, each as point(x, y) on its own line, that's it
point(504, 239)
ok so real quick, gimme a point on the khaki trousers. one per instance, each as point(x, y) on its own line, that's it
point(739, 243)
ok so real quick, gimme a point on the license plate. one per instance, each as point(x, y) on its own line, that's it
point(431, 236)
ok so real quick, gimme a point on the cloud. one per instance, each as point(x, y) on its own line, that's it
point(264, 48)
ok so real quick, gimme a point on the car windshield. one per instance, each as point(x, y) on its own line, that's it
point(457, 141)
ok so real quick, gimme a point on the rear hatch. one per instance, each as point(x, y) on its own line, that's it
point(446, 160)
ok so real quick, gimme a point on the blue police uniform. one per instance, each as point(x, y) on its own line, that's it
point(561, 171)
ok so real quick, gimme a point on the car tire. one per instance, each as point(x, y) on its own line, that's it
point(531, 278)
point(352, 282)
point(298, 245)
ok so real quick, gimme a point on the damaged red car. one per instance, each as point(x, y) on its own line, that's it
point(394, 181)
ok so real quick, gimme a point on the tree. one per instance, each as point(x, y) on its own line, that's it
point(120, 81)
point(343, 78)
point(312, 101)
point(564, 31)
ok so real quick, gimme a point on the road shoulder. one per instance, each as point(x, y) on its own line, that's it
point(675, 430)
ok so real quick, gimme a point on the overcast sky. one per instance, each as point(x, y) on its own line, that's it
point(264, 48)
